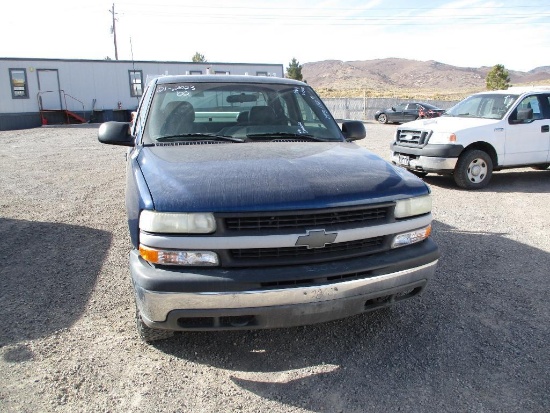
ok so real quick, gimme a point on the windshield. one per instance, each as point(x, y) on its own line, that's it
point(487, 106)
point(238, 112)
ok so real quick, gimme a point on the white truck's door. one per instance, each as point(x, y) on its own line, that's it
point(528, 142)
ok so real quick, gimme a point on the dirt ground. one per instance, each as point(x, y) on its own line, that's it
point(476, 340)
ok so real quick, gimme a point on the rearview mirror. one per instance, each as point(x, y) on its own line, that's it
point(241, 98)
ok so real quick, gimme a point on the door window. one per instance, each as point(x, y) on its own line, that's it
point(531, 102)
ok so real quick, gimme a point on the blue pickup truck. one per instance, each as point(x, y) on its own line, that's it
point(249, 207)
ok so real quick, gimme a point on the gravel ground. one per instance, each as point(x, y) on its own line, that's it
point(476, 340)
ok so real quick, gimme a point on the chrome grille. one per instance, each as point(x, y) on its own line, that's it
point(412, 137)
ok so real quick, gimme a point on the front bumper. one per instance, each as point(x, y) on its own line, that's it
point(424, 163)
point(221, 299)
point(429, 158)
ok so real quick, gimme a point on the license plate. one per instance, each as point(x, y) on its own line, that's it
point(404, 160)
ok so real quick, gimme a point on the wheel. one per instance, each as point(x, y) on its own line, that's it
point(473, 169)
point(541, 167)
point(149, 334)
point(382, 118)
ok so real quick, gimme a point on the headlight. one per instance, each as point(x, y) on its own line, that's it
point(442, 137)
point(177, 223)
point(411, 237)
point(172, 257)
point(413, 206)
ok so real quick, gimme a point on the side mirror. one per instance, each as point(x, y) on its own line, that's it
point(525, 114)
point(115, 133)
point(353, 130)
point(393, 108)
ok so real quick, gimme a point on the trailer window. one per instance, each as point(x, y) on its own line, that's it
point(18, 83)
point(136, 82)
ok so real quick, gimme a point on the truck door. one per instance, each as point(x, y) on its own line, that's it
point(528, 141)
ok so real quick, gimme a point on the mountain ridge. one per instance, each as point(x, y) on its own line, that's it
point(393, 74)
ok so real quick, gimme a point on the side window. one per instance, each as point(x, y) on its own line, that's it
point(136, 82)
point(261, 73)
point(528, 103)
point(195, 72)
point(546, 103)
point(18, 84)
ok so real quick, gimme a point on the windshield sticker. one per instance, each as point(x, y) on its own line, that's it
point(300, 91)
point(181, 90)
point(301, 129)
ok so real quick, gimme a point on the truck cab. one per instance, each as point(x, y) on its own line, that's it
point(249, 207)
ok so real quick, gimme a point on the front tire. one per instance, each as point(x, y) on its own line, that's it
point(543, 167)
point(382, 118)
point(473, 169)
point(149, 334)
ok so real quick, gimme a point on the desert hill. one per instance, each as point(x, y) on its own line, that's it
point(412, 76)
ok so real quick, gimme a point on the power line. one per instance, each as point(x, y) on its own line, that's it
point(209, 18)
point(238, 14)
point(172, 6)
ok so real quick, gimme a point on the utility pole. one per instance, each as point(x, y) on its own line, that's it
point(113, 29)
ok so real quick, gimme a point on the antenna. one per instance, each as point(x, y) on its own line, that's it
point(132, 52)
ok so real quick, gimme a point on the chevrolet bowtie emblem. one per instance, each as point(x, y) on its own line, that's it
point(316, 239)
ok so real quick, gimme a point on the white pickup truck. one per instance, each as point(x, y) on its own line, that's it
point(485, 132)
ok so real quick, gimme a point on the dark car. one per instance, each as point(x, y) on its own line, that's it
point(406, 112)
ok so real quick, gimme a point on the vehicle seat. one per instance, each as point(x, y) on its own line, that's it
point(179, 119)
point(261, 115)
point(242, 118)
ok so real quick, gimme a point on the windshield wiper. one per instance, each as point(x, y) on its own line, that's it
point(275, 135)
point(198, 136)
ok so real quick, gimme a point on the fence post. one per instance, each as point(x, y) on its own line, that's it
point(364, 105)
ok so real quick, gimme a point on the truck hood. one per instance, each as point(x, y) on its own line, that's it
point(270, 176)
point(449, 124)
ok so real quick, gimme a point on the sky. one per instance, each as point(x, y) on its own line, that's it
point(465, 33)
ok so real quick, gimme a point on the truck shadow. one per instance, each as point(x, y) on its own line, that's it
point(48, 272)
point(482, 324)
point(524, 181)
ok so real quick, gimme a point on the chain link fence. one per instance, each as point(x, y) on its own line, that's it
point(365, 108)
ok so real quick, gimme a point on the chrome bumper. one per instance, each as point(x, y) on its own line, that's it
point(426, 163)
point(283, 307)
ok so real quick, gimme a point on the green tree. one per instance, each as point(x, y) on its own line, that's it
point(294, 70)
point(199, 58)
point(498, 78)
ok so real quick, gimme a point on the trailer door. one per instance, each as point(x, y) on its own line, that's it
point(49, 93)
